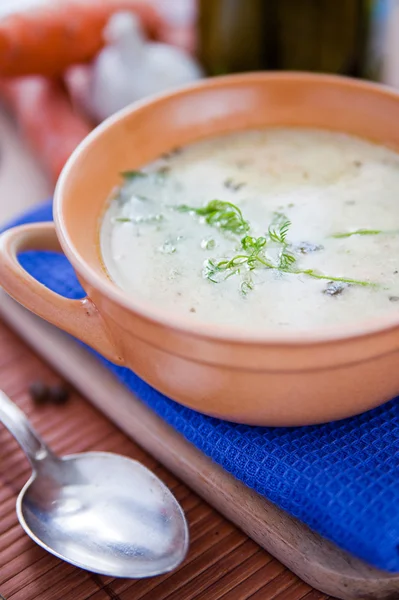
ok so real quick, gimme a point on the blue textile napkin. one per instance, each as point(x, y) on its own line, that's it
point(342, 478)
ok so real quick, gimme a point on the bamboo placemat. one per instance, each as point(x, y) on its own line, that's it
point(222, 562)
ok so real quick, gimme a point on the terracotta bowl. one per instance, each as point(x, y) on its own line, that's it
point(248, 378)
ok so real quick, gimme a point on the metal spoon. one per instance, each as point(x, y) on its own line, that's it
point(99, 511)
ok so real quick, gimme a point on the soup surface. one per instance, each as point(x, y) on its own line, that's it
point(275, 229)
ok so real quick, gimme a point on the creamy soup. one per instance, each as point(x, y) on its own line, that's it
point(288, 229)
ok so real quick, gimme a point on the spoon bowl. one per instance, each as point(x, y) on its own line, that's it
point(98, 511)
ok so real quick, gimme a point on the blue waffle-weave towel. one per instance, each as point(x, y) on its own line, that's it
point(342, 478)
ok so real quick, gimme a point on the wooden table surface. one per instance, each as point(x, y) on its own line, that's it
point(222, 561)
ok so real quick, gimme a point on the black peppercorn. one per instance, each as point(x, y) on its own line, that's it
point(39, 392)
point(59, 394)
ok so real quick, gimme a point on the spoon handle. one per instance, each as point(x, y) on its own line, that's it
point(18, 425)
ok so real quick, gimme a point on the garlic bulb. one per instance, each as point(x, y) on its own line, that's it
point(130, 67)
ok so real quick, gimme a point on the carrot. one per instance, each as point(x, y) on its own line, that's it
point(45, 39)
point(46, 119)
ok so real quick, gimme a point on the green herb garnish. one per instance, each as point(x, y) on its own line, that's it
point(160, 174)
point(315, 275)
point(122, 220)
point(140, 219)
point(224, 215)
point(287, 259)
point(254, 246)
point(131, 175)
point(359, 232)
point(246, 286)
point(252, 253)
point(253, 256)
point(365, 232)
point(208, 244)
point(278, 234)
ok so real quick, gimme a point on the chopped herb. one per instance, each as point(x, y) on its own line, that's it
point(359, 232)
point(278, 233)
point(140, 219)
point(254, 256)
point(208, 244)
point(224, 215)
point(122, 220)
point(286, 260)
point(212, 272)
point(246, 286)
point(251, 243)
point(312, 273)
point(230, 184)
point(254, 246)
point(130, 175)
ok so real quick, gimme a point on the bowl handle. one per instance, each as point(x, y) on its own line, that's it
point(80, 318)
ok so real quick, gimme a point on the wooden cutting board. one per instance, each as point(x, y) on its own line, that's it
point(312, 558)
